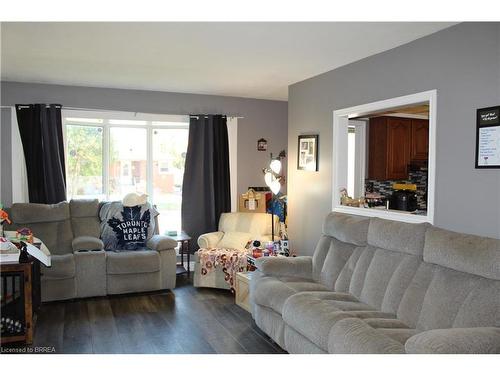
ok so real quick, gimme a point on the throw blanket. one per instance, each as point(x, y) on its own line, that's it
point(126, 228)
point(229, 260)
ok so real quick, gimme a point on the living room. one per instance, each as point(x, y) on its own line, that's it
point(295, 188)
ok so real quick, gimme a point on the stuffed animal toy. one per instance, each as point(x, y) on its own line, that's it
point(134, 199)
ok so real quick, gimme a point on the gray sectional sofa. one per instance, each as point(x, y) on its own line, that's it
point(80, 266)
point(379, 286)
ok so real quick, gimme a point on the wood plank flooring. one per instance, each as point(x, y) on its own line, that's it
point(185, 320)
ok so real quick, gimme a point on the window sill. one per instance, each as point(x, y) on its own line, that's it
point(385, 214)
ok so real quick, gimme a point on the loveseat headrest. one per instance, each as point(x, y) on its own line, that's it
point(397, 236)
point(347, 228)
point(463, 252)
point(26, 213)
point(84, 207)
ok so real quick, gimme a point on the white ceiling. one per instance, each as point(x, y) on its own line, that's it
point(257, 60)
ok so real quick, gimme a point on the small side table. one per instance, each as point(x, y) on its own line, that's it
point(17, 302)
point(183, 239)
point(242, 290)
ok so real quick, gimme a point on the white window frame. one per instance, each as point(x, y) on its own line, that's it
point(360, 160)
point(150, 123)
point(152, 119)
point(232, 134)
point(339, 175)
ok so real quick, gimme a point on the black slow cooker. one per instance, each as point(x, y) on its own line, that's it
point(403, 200)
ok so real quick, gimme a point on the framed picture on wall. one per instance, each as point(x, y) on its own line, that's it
point(307, 153)
point(488, 138)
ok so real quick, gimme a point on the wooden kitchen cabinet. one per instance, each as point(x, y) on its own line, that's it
point(419, 139)
point(393, 143)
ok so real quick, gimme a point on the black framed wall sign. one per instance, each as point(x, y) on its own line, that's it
point(488, 137)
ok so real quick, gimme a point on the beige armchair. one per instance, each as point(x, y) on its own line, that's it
point(235, 230)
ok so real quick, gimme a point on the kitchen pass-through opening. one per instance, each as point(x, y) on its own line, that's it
point(384, 158)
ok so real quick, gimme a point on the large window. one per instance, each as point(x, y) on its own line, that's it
point(110, 154)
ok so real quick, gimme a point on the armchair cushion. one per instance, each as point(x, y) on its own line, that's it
point(209, 240)
point(160, 243)
point(234, 240)
point(485, 340)
point(286, 267)
point(87, 243)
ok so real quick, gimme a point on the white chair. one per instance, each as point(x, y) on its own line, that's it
point(235, 230)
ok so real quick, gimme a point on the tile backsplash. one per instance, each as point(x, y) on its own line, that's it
point(417, 177)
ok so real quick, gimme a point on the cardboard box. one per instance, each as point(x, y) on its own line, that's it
point(254, 201)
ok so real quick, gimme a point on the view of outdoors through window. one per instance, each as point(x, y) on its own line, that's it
point(84, 164)
point(108, 158)
point(169, 156)
point(127, 161)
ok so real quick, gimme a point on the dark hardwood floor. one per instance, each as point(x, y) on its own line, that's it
point(185, 320)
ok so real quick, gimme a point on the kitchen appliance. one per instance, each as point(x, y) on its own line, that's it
point(404, 197)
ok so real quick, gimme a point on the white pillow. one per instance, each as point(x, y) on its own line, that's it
point(234, 240)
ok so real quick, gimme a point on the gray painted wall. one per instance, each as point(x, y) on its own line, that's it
point(463, 64)
point(262, 118)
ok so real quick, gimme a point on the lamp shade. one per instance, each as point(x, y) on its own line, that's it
point(268, 178)
point(275, 166)
point(275, 187)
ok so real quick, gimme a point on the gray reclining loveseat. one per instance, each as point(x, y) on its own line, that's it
point(80, 266)
point(380, 286)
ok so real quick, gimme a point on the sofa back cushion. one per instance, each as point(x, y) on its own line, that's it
point(85, 217)
point(463, 252)
point(430, 278)
point(342, 235)
point(458, 285)
point(458, 299)
point(257, 224)
point(373, 259)
point(397, 236)
point(49, 222)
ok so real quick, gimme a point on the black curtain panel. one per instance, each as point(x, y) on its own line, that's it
point(41, 132)
point(206, 189)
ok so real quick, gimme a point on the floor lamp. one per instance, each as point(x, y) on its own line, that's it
point(273, 180)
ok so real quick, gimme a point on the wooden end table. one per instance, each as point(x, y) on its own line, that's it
point(17, 299)
point(242, 290)
point(184, 240)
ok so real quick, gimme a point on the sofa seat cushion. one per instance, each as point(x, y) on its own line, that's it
point(272, 292)
point(313, 314)
point(399, 334)
point(130, 262)
point(355, 336)
point(63, 267)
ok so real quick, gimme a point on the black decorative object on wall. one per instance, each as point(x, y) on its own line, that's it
point(262, 145)
point(307, 152)
point(488, 138)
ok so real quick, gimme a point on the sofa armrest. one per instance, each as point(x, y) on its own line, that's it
point(286, 267)
point(479, 340)
point(87, 243)
point(160, 242)
point(209, 240)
